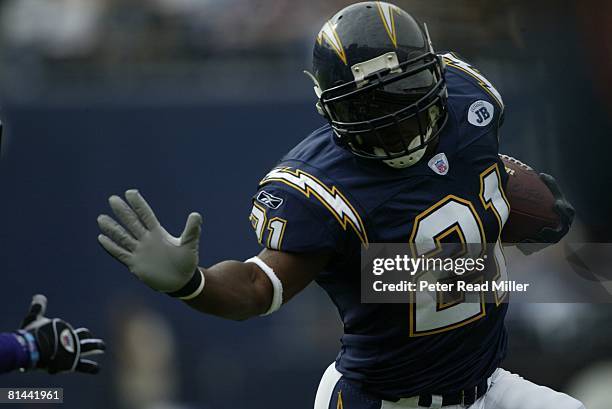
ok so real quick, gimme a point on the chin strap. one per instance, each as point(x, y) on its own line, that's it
point(413, 158)
point(403, 161)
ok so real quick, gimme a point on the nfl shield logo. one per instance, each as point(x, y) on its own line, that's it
point(439, 164)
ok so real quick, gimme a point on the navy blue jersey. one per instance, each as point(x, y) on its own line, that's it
point(321, 197)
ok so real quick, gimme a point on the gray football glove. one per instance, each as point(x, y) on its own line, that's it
point(163, 262)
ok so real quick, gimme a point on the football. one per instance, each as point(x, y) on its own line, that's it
point(531, 202)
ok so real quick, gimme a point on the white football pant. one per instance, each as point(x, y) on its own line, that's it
point(506, 391)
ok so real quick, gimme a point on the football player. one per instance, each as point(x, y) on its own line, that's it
point(409, 154)
point(49, 344)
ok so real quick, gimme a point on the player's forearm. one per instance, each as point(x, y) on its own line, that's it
point(234, 290)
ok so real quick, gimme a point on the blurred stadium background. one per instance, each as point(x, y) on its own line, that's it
point(192, 101)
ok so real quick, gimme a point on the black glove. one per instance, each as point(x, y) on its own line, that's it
point(54, 345)
point(547, 235)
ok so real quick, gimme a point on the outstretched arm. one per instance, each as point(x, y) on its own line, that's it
point(231, 289)
point(238, 290)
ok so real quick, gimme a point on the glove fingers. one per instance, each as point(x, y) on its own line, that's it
point(193, 228)
point(83, 333)
point(116, 232)
point(37, 310)
point(142, 209)
point(89, 344)
point(528, 248)
point(114, 250)
point(563, 207)
point(127, 216)
point(552, 185)
point(93, 346)
point(87, 366)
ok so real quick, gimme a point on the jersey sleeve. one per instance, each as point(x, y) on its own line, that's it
point(285, 220)
point(480, 81)
point(13, 355)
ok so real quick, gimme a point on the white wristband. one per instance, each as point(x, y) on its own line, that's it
point(198, 290)
point(277, 285)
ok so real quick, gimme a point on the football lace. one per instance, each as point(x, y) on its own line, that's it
point(515, 161)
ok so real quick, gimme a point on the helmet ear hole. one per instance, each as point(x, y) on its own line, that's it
point(320, 110)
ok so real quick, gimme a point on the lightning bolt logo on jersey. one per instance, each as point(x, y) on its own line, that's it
point(333, 201)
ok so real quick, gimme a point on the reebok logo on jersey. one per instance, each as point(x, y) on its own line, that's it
point(439, 164)
point(269, 200)
point(480, 113)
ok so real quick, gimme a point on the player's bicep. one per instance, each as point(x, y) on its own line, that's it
point(299, 237)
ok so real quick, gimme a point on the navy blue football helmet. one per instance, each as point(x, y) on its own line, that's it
point(379, 83)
